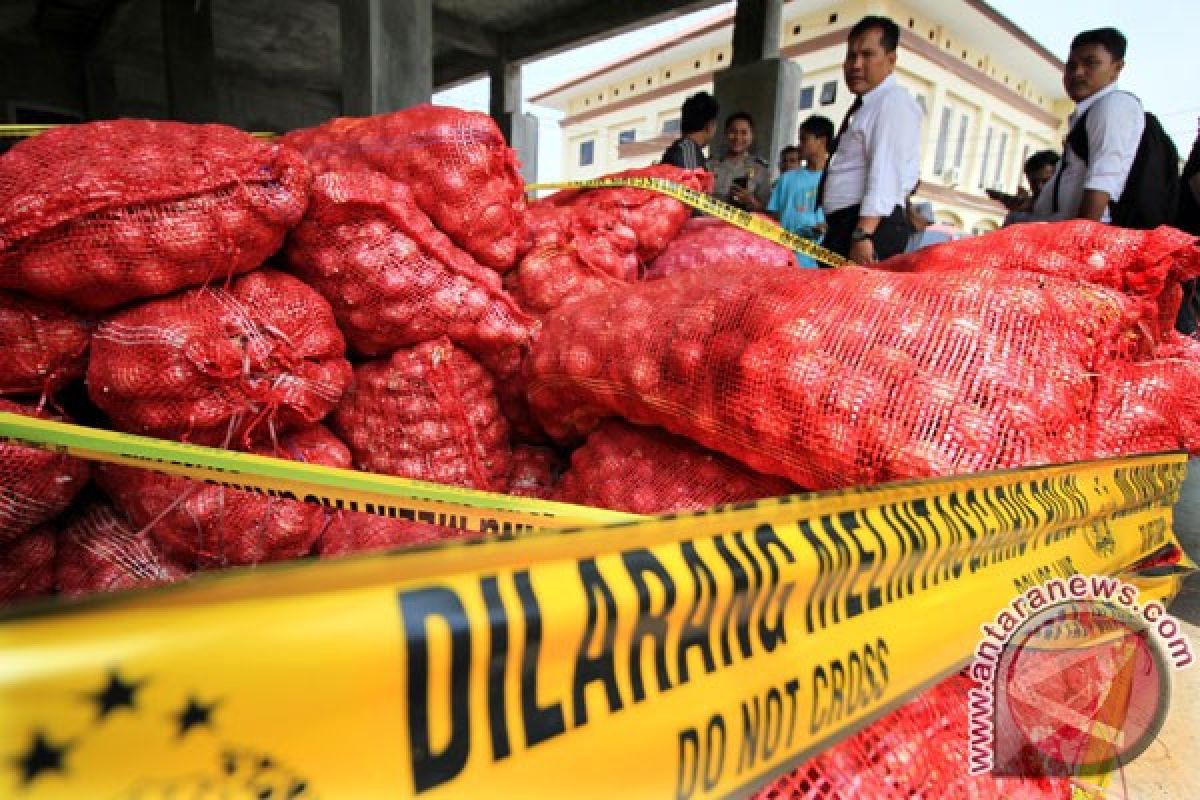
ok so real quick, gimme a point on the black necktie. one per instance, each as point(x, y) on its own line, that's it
point(833, 146)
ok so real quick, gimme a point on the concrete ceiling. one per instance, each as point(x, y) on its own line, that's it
point(299, 41)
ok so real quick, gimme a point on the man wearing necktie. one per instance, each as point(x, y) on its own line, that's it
point(876, 155)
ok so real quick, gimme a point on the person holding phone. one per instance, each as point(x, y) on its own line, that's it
point(739, 176)
point(1039, 170)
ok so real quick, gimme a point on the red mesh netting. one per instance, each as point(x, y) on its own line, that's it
point(27, 565)
point(213, 366)
point(705, 242)
point(654, 217)
point(35, 485)
point(844, 377)
point(98, 551)
point(456, 163)
point(394, 280)
point(107, 212)
point(917, 751)
point(575, 252)
point(428, 413)
point(648, 471)
point(533, 472)
point(1150, 406)
point(352, 532)
point(206, 526)
point(43, 347)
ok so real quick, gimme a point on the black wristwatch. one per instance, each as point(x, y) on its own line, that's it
point(859, 235)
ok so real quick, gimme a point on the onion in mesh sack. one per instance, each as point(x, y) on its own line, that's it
point(106, 212)
point(43, 347)
point(214, 366)
point(209, 526)
point(428, 413)
point(99, 551)
point(27, 565)
point(35, 485)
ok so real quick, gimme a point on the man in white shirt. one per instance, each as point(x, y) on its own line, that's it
point(876, 160)
point(1082, 187)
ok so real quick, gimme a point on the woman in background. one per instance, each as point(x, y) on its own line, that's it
point(741, 177)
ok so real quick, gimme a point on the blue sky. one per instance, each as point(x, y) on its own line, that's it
point(1162, 64)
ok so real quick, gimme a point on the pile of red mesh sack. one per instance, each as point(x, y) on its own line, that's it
point(43, 346)
point(99, 551)
point(917, 751)
point(655, 218)
point(27, 565)
point(393, 279)
point(429, 413)
point(705, 242)
point(206, 526)
point(648, 471)
point(100, 214)
point(35, 485)
point(575, 252)
point(845, 377)
point(456, 163)
point(214, 366)
point(351, 532)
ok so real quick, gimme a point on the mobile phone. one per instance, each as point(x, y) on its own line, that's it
point(1007, 199)
point(742, 182)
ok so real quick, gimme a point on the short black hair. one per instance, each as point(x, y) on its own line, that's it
point(698, 110)
point(819, 126)
point(1110, 39)
point(735, 116)
point(791, 148)
point(889, 32)
point(1040, 160)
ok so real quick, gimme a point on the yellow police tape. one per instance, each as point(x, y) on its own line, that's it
point(25, 130)
point(385, 495)
point(711, 206)
point(691, 655)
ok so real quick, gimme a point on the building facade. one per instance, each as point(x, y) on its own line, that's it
point(991, 95)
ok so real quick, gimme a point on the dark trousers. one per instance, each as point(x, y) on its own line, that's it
point(891, 237)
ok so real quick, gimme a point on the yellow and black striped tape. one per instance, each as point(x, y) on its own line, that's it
point(711, 206)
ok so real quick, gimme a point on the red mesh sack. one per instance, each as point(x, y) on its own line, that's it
point(392, 278)
point(842, 377)
point(917, 751)
point(428, 413)
point(456, 163)
point(705, 242)
point(43, 347)
point(99, 551)
point(653, 216)
point(35, 485)
point(648, 471)
point(1147, 264)
point(352, 532)
point(213, 366)
point(107, 212)
point(27, 565)
point(533, 472)
point(575, 252)
point(207, 526)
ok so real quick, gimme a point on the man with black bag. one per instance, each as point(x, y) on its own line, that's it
point(875, 159)
point(1118, 164)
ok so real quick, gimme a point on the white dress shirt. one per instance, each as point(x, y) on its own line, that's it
point(878, 158)
point(1114, 130)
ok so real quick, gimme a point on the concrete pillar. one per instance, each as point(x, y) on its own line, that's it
point(770, 91)
point(387, 55)
point(504, 104)
point(188, 55)
point(756, 31)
